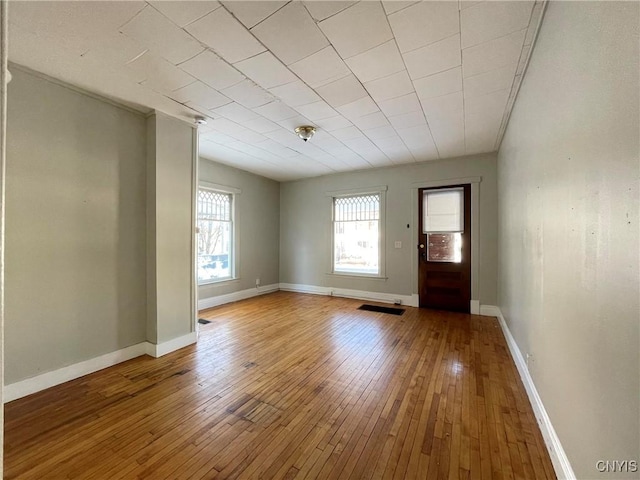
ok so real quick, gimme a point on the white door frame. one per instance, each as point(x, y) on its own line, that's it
point(475, 232)
point(5, 78)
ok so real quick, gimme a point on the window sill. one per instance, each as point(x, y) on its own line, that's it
point(222, 281)
point(358, 275)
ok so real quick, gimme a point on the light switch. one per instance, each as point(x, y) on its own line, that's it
point(398, 244)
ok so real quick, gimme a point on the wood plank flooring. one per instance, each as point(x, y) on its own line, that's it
point(293, 386)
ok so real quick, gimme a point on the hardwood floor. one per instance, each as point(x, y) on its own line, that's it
point(293, 386)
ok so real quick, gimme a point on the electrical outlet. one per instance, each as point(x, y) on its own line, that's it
point(398, 244)
point(257, 282)
point(529, 358)
point(397, 301)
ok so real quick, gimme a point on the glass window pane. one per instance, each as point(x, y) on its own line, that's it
point(444, 247)
point(215, 241)
point(356, 234)
point(356, 247)
point(443, 211)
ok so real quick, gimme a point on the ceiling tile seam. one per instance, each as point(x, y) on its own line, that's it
point(324, 99)
point(137, 56)
point(510, 88)
point(505, 123)
point(515, 84)
point(403, 8)
point(203, 45)
point(496, 38)
point(261, 21)
point(208, 49)
point(492, 70)
point(375, 46)
point(344, 145)
point(374, 101)
point(428, 44)
point(244, 77)
point(186, 25)
point(326, 132)
point(147, 4)
point(330, 16)
point(300, 79)
point(212, 50)
point(414, 91)
point(278, 58)
point(440, 73)
point(146, 79)
point(464, 105)
point(269, 50)
point(144, 5)
point(253, 156)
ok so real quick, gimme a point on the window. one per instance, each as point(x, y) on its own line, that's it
point(356, 234)
point(443, 222)
point(215, 236)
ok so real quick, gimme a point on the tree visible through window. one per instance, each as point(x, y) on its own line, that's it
point(356, 234)
point(215, 242)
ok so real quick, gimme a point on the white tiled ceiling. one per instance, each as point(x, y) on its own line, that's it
point(384, 82)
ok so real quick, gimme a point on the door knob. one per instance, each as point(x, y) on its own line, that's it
point(421, 245)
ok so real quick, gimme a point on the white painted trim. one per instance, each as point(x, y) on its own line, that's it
point(195, 165)
point(50, 379)
point(446, 182)
point(357, 191)
point(301, 288)
point(210, 302)
point(490, 311)
point(220, 188)
point(474, 307)
point(408, 300)
point(382, 228)
point(558, 456)
point(172, 345)
point(5, 78)
point(415, 300)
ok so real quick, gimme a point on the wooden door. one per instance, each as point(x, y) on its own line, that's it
point(444, 258)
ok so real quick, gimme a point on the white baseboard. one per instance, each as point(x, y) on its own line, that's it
point(171, 346)
point(46, 380)
point(490, 311)
point(300, 288)
point(474, 307)
point(49, 379)
point(409, 300)
point(204, 303)
point(558, 456)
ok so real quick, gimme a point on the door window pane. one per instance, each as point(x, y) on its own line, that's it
point(443, 211)
point(444, 247)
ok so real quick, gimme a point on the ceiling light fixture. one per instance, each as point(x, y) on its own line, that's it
point(305, 132)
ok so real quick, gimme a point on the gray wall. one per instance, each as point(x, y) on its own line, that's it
point(75, 242)
point(568, 177)
point(257, 227)
point(171, 175)
point(305, 224)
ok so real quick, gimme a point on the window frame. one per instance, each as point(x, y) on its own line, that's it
point(380, 190)
point(234, 243)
